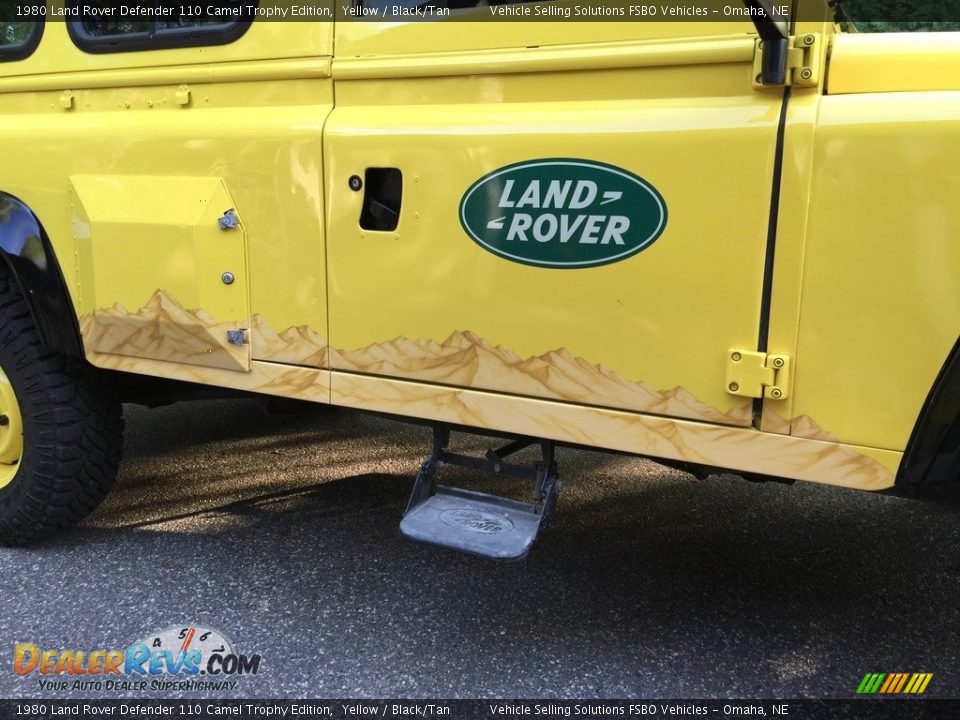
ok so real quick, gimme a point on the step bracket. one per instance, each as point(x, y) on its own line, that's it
point(474, 522)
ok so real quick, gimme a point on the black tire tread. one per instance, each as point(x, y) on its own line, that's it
point(73, 428)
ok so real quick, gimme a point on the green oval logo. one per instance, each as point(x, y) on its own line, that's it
point(563, 213)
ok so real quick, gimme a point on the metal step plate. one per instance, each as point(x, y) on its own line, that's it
point(474, 522)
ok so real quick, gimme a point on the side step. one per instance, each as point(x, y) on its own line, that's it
point(475, 522)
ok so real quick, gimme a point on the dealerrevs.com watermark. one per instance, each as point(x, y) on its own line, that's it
point(185, 658)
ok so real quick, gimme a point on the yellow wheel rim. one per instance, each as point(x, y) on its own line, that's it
point(11, 431)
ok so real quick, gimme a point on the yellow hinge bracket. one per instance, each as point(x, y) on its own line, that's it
point(182, 95)
point(804, 62)
point(757, 374)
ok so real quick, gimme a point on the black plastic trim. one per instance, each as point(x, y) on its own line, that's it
point(27, 252)
point(932, 458)
point(21, 51)
point(154, 39)
point(776, 42)
point(773, 221)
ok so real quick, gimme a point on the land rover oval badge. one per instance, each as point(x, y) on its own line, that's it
point(563, 213)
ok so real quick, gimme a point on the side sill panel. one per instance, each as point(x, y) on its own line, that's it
point(737, 449)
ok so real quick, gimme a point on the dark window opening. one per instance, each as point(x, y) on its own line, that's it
point(18, 39)
point(157, 25)
point(382, 194)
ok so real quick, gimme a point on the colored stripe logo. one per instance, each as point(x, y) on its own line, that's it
point(894, 683)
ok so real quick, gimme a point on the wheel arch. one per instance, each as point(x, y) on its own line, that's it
point(931, 463)
point(28, 254)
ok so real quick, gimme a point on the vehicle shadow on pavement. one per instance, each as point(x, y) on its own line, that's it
point(646, 582)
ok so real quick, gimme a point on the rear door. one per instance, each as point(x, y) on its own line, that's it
point(567, 211)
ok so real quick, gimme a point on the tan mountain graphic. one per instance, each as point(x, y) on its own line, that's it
point(800, 426)
point(466, 360)
point(163, 330)
point(297, 345)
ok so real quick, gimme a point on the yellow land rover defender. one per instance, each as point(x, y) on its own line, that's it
point(726, 241)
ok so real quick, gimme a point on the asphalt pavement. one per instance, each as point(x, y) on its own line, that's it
point(282, 533)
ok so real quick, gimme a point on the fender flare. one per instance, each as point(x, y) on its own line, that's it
point(28, 254)
point(931, 464)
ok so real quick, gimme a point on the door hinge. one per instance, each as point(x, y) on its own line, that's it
point(804, 62)
point(757, 374)
point(237, 337)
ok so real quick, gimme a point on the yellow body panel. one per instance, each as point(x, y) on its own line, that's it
point(166, 229)
point(251, 125)
point(130, 159)
point(456, 37)
point(896, 62)
point(881, 292)
point(450, 312)
point(865, 293)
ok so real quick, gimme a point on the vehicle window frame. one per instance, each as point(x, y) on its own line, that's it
point(23, 50)
point(202, 36)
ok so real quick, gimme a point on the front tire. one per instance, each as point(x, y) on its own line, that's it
point(61, 429)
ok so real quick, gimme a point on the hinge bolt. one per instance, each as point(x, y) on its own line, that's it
point(228, 220)
point(734, 387)
point(778, 362)
point(806, 74)
point(809, 39)
point(776, 393)
point(237, 337)
point(736, 357)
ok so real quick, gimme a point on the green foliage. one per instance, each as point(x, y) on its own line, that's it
point(903, 15)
